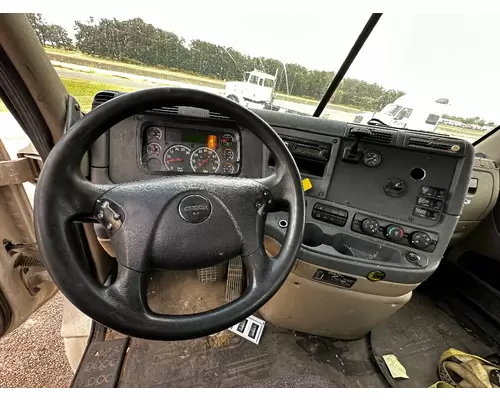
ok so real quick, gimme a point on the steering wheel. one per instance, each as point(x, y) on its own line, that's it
point(173, 223)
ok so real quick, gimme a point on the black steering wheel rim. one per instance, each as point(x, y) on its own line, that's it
point(64, 196)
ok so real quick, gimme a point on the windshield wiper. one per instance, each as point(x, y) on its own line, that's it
point(360, 41)
point(376, 121)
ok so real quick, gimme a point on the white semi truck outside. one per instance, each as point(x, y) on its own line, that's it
point(257, 91)
point(410, 111)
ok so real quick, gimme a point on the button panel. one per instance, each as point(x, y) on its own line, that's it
point(399, 234)
point(430, 203)
point(330, 214)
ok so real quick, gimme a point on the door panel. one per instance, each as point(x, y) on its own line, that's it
point(24, 284)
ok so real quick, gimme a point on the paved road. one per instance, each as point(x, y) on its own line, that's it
point(110, 80)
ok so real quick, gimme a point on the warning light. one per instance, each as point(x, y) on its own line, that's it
point(212, 142)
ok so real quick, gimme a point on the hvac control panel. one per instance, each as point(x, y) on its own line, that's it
point(396, 233)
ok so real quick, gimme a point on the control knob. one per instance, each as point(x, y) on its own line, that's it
point(370, 226)
point(394, 233)
point(420, 240)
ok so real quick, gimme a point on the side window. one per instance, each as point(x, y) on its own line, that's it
point(404, 113)
point(432, 119)
point(393, 110)
point(268, 83)
point(254, 80)
point(261, 82)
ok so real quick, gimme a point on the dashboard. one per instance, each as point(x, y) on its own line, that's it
point(382, 199)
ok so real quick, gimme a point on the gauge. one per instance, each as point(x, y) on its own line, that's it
point(205, 160)
point(372, 158)
point(155, 133)
point(228, 154)
point(153, 149)
point(177, 158)
point(228, 168)
point(227, 140)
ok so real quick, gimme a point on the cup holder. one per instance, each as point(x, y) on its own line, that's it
point(313, 235)
point(349, 245)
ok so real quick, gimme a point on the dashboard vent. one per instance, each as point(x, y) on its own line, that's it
point(377, 136)
point(216, 115)
point(106, 95)
point(166, 110)
point(103, 97)
point(438, 144)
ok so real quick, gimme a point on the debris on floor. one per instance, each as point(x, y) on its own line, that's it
point(395, 367)
point(251, 329)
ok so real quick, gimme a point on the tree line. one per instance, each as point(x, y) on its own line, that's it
point(135, 41)
point(470, 121)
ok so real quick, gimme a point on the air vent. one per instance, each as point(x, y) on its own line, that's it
point(193, 112)
point(485, 163)
point(103, 97)
point(166, 110)
point(437, 144)
point(377, 136)
point(216, 115)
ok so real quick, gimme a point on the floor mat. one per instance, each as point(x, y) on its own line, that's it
point(101, 364)
point(282, 359)
point(417, 335)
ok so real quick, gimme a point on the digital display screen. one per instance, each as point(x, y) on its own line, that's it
point(194, 138)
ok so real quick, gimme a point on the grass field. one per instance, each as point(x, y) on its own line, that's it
point(84, 90)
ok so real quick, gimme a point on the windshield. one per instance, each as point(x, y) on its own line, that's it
point(438, 73)
point(260, 59)
point(435, 79)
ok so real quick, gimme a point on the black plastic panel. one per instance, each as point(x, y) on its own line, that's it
point(362, 187)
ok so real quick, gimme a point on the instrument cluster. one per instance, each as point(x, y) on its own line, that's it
point(179, 149)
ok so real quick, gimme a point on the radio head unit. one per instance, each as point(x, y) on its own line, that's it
point(307, 148)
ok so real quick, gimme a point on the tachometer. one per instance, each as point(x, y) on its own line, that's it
point(205, 160)
point(177, 158)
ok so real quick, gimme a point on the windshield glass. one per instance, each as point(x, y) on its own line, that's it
point(439, 79)
point(438, 74)
point(255, 56)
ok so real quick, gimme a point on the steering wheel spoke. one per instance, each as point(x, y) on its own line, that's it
point(129, 291)
point(279, 185)
point(259, 267)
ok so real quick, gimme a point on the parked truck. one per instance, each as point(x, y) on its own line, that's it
point(409, 111)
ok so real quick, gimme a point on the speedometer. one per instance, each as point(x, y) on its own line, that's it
point(205, 160)
point(177, 158)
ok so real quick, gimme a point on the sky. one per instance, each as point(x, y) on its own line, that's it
point(442, 55)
